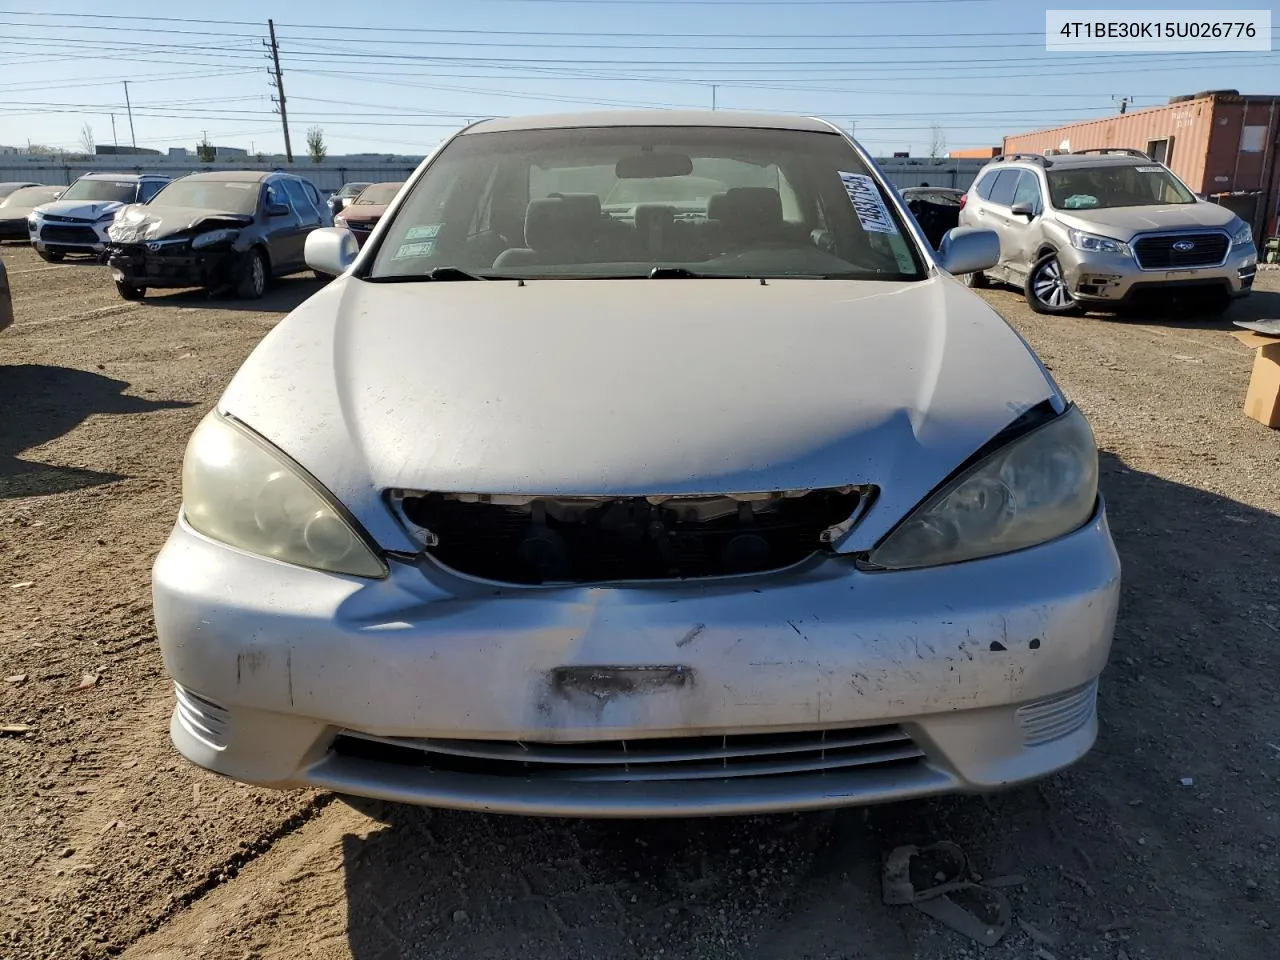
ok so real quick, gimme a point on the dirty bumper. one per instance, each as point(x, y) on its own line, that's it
point(171, 266)
point(821, 686)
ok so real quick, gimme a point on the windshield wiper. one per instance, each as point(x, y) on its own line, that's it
point(435, 273)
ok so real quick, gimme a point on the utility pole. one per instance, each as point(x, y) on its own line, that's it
point(113, 130)
point(1124, 102)
point(284, 116)
point(129, 107)
point(713, 95)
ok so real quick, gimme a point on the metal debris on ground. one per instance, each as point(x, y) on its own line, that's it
point(939, 881)
point(15, 729)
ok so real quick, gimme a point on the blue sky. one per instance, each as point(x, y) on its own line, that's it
point(397, 76)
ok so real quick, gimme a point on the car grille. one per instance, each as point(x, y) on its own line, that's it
point(635, 761)
point(1047, 720)
point(53, 233)
point(1158, 253)
point(201, 718)
point(591, 540)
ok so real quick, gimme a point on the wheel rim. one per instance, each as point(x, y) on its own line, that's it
point(259, 274)
point(1049, 286)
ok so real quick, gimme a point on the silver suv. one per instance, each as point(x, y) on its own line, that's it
point(1107, 228)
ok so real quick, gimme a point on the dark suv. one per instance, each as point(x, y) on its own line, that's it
point(230, 230)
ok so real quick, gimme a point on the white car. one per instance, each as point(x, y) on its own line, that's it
point(77, 221)
point(746, 505)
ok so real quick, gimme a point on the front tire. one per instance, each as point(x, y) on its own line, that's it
point(1046, 289)
point(50, 256)
point(129, 292)
point(253, 276)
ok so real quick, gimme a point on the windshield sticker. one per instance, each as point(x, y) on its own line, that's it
point(867, 203)
point(427, 231)
point(1150, 169)
point(407, 250)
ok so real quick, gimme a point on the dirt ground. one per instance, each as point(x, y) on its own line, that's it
point(112, 845)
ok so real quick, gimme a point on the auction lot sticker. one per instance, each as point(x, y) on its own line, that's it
point(1154, 31)
point(867, 203)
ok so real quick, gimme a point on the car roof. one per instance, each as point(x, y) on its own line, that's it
point(652, 118)
point(233, 176)
point(20, 183)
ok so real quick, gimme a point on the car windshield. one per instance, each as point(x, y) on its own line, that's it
point(352, 189)
point(28, 196)
point(612, 202)
point(379, 193)
point(119, 190)
point(1120, 185)
point(227, 196)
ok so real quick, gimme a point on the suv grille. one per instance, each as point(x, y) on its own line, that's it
point(535, 540)
point(1160, 253)
point(52, 233)
point(634, 761)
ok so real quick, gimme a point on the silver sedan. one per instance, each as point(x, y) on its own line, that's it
point(716, 494)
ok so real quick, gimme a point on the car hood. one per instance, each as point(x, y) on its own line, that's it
point(139, 221)
point(364, 211)
point(1123, 222)
point(80, 209)
point(613, 387)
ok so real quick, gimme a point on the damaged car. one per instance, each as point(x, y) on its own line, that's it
point(735, 505)
point(17, 207)
point(224, 231)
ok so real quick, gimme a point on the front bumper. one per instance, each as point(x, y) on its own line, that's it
point(171, 266)
point(987, 668)
point(14, 228)
point(1114, 279)
point(79, 236)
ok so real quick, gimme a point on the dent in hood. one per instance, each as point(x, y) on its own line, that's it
point(636, 387)
point(80, 209)
point(1123, 222)
point(140, 222)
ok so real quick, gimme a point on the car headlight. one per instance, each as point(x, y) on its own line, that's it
point(1034, 489)
point(1093, 243)
point(238, 489)
point(213, 238)
point(1242, 237)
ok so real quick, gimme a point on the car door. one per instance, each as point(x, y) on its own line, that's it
point(997, 215)
point(284, 231)
point(1023, 230)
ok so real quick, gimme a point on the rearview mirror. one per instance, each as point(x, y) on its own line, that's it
point(650, 166)
point(331, 250)
point(1023, 209)
point(968, 250)
point(278, 210)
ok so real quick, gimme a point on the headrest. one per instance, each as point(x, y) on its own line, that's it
point(746, 206)
point(559, 222)
point(653, 215)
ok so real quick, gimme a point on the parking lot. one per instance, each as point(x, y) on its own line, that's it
point(1164, 842)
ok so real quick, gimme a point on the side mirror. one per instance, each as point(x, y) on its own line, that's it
point(1023, 209)
point(278, 210)
point(968, 250)
point(331, 250)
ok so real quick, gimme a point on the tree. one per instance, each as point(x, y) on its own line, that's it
point(205, 151)
point(86, 138)
point(937, 141)
point(315, 144)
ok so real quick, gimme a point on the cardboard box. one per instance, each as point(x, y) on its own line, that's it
point(1262, 402)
